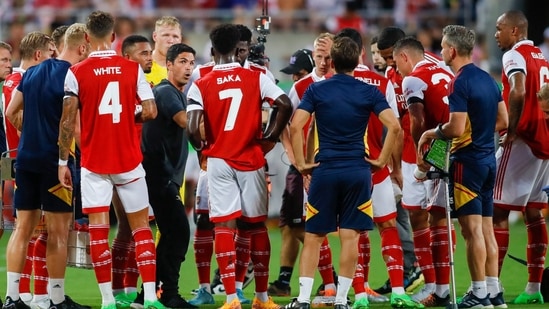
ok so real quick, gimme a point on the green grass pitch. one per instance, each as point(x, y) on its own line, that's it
point(81, 284)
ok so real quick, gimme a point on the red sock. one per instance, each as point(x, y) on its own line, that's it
point(100, 253)
point(537, 247)
point(359, 276)
point(502, 238)
point(145, 253)
point(24, 282)
point(422, 248)
point(39, 265)
point(325, 266)
point(225, 255)
point(441, 258)
point(242, 247)
point(120, 250)
point(260, 255)
point(391, 250)
point(132, 273)
point(364, 252)
point(203, 250)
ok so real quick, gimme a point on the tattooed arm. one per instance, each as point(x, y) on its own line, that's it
point(67, 126)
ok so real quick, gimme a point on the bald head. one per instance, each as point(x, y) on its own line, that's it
point(516, 19)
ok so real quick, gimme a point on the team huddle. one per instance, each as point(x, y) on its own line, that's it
point(357, 140)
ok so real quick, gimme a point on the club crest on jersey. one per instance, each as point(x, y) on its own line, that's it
point(228, 78)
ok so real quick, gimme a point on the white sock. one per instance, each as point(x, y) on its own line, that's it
point(207, 286)
point(305, 289)
point(57, 290)
point(149, 291)
point(533, 287)
point(330, 286)
point(238, 285)
point(479, 289)
point(130, 289)
point(262, 296)
point(107, 298)
point(492, 286)
point(25, 297)
point(442, 290)
point(12, 289)
point(343, 286)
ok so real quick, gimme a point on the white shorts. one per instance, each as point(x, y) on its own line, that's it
point(202, 199)
point(235, 193)
point(520, 177)
point(421, 194)
point(97, 190)
point(383, 201)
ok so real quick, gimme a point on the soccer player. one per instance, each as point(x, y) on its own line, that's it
point(523, 160)
point(291, 210)
point(124, 268)
point(476, 112)
point(167, 31)
point(103, 89)
point(40, 93)
point(322, 68)
point(379, 63)
point(339, 194)
point(165, 150)
point(5, 69)
point(425, 89)
point(228, 101)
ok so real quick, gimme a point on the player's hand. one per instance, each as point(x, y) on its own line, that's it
point(64, 175)
point(507, 139)
point(425, 141)
point(375, 164)
point(306, 183)
point(396, 178)
point(306, 168)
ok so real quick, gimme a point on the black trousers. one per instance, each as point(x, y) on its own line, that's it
point(171, 221)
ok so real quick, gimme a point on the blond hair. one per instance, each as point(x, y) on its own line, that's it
point(324, 35)
point(167, 21)
point(32, 42)
point(74, 36)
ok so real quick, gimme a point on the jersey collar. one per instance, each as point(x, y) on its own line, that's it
point(102, 53)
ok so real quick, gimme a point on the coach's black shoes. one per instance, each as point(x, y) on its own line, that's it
point(14, 304)
point(412, 281)
point(470, 300)
point(498, 301)
point(68, 303)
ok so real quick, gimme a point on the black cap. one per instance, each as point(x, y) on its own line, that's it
point(301, 59)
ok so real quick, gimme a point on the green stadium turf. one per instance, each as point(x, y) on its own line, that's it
point(82, 287)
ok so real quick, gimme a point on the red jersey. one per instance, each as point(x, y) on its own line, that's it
point(532, 128)
point(10, 84)
point(107, 86)
point(374, 132)
point(231, 97)
point(408, 148)
point(429, 83)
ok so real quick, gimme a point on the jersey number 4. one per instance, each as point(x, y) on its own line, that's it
point(110, 102)
point(235, 95)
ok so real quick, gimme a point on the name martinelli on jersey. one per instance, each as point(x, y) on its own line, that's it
point(107, 71)
point(228, 78)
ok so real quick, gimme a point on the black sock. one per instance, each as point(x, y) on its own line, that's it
point(285, 275)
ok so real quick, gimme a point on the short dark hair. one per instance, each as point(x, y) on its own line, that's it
point(58, 33)
point(351, 33)
point(411, 43)
point(389, 36)
point(345, 53)
point(100, 24)
point(131, 40)
point(245, 33)
point(373, 40)
point(176, 49)
point(224, 38)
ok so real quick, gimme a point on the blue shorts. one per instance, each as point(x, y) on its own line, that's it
point(472, 188)
point(41, 191)
point(340, 196)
